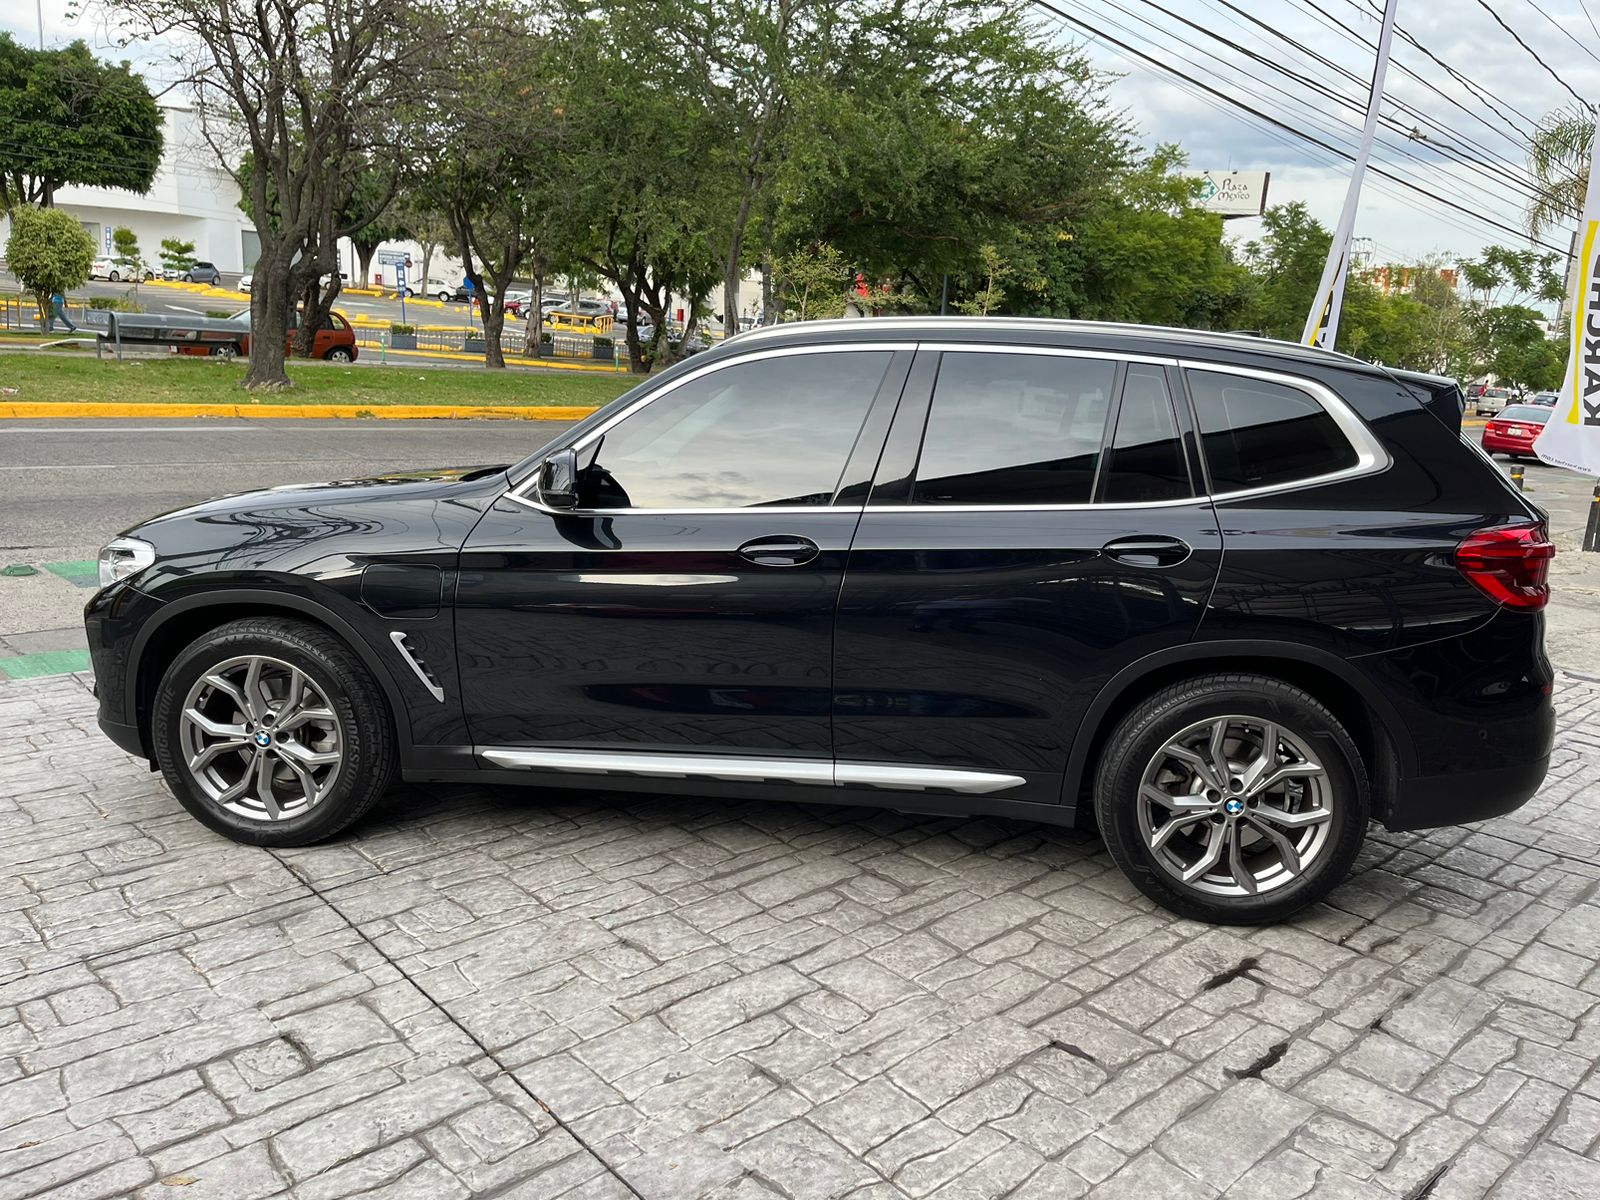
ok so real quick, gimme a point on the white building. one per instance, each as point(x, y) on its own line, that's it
point(192, 199)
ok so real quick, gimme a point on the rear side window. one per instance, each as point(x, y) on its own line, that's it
point(1014, 429)
point(1261, 434)
point(1146, 458)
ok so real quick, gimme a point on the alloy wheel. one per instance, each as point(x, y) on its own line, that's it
point(260, 738)
point(1235, 806)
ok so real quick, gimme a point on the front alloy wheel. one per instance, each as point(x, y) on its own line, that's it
point(273, 731)
point(260, 739)
point(1238, 799)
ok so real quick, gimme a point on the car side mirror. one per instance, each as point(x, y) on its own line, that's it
point(558, 480)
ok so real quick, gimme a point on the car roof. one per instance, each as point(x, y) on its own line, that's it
point(1109, 335)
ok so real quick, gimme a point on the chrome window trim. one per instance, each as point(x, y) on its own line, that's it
point(751, 769)
point(531, 483)
point(1371, 456)
point(1111, 356)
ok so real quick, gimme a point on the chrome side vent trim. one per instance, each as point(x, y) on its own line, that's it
point(752, 770)
point(418, 667)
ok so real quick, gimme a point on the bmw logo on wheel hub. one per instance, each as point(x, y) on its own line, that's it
point(263, 739)
point(1234, 807)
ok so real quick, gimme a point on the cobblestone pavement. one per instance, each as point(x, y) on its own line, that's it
point(489, 992)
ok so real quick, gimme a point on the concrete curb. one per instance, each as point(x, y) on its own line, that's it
point(58, 410)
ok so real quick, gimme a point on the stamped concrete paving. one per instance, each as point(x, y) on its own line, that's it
point(538, 996)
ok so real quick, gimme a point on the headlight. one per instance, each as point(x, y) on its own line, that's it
point(123, 557)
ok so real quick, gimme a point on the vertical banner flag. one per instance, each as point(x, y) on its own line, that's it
point(1322, 324)
point(1571, 437)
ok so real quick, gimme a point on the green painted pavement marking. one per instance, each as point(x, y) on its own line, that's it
point(18, 569)
point(47, 662)
point(83, 573)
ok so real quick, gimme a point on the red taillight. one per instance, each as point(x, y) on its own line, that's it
point(1509, 563)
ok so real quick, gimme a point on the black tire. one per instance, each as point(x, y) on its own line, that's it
point(339, 354)
point(226, 350)
point(366, 734)
point(1136, 746)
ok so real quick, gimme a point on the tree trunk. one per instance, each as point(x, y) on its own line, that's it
point(270, 299)
point(364, 253)
point(731, 273)
point(421, 285)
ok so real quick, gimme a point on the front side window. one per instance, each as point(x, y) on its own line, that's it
point(1262, 434)
point(769, 431)
point(1014, 428)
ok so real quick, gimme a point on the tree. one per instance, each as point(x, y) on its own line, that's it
point(70, 119)
point(304, 88)
point(424, 226)
point(994, 271)
point(1504, 274)
point(1558, 157)
point(48, 252)
point(370, 215)
point(1287, 263)
point(493, 162)
point(129, 258)
point(811, 282)
point(177, 255)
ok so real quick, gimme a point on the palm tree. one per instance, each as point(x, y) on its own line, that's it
point(1559, 160)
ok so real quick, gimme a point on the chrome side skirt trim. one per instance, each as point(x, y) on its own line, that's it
point(752, 770)
point(398, 637)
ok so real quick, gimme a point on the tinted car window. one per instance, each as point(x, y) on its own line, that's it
point(1261, 434)
point(1014, 429)
point(1146, 460)
point(1529, 413)
point(769, 431)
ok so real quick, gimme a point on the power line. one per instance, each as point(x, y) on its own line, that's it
point(1564, 31)
point(1589, 18)
point(1288, 128)
point(1500, 21)
point(1497, 163)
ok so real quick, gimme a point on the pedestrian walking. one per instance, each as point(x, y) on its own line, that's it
point(58, 310)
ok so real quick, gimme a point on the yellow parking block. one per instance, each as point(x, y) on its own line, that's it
point(53, 410)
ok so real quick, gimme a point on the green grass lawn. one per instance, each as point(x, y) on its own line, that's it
point(39, 377)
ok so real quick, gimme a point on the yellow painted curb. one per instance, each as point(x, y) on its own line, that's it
point(52, 410)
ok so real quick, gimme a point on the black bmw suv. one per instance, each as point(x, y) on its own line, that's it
point(1228, 599)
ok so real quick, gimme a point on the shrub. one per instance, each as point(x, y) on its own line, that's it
point(220, 314)
point(115, 304)
point(396, 327)
point(48, 251)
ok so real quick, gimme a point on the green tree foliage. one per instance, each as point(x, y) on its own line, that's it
point(68, 118)
point(176, 254)
point(993, 271)
point(129, 258)
point(1287, 263)
point(1144, 252)
point(811, 282)
point(48, 251)
point(1558, 158)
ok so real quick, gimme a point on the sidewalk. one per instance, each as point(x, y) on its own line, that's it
point(561, 995)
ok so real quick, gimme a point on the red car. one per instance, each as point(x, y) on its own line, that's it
point(1513, 429)
point(336, 341)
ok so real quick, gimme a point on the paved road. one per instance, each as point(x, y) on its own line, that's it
point(543, 995)
point(66, 487)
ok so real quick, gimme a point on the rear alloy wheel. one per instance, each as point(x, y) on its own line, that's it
point(114, 277)
point(1236, 799)
point(339, 354)
point(226, 350)
point(273, 732)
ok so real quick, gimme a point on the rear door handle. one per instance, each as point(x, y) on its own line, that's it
point(781, 550)
point(1148, 551)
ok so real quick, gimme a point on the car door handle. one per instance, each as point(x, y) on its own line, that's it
point(779, 551)
point(1150, 551)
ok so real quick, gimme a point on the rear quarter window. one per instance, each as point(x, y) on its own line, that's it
point(1257, 433)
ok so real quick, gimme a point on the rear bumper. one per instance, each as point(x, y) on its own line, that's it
point(1433, 801)
point(1507, 445)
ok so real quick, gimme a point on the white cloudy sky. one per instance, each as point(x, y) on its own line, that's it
point(1402, 224)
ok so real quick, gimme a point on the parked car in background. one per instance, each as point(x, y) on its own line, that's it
point(245, 281)
point(1224, 599)
point(1548, 399)
point(204, 272)
point(1514, 428)
point(108, 268)
point(1492, 400)
point(436, 289)
point(583, 308)
point(335, 341)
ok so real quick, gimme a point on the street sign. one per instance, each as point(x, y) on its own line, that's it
point(1233, 193)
